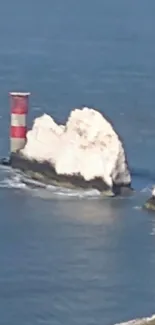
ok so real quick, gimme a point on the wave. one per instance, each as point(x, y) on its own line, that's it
point(13, 182)
point(16, 180)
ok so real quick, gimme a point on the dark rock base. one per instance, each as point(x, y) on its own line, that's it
point(44, 172)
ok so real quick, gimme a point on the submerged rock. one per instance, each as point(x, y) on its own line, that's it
point(85, 152)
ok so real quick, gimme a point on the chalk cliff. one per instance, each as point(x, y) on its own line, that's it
point(86, 146)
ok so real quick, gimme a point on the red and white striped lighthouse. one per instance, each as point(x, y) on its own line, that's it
point(18, 129)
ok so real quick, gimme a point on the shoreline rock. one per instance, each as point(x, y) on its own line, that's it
point(45, 173)
point(150, 203)
point(140, 321)
point(86, 152)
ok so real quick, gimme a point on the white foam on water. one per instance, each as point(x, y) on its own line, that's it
point(76, 193)
point(146, 189)
point(16, 180)
point(138, 321)
point(137, 207)
point(4, 168)
point(13, 182)
point(30, 182)
point(63, 193)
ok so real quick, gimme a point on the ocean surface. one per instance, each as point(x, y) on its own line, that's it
point(72, 257)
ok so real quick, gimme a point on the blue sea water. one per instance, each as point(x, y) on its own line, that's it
point(70, 258)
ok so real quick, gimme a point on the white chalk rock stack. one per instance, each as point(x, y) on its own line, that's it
point(87, 146)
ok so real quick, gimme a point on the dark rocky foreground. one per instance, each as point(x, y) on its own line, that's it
point(45, 173)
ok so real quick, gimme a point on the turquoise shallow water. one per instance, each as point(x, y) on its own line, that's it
point(71, 257)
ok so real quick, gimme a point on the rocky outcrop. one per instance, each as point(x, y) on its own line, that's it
point(140, 321)
point(85, 152)
point(150, 203)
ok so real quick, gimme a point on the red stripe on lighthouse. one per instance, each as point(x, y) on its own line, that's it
point(19, 106)
point(18, 132)
point(19, 103)
point(18, 129)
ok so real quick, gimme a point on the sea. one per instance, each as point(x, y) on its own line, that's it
point(73, 257)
